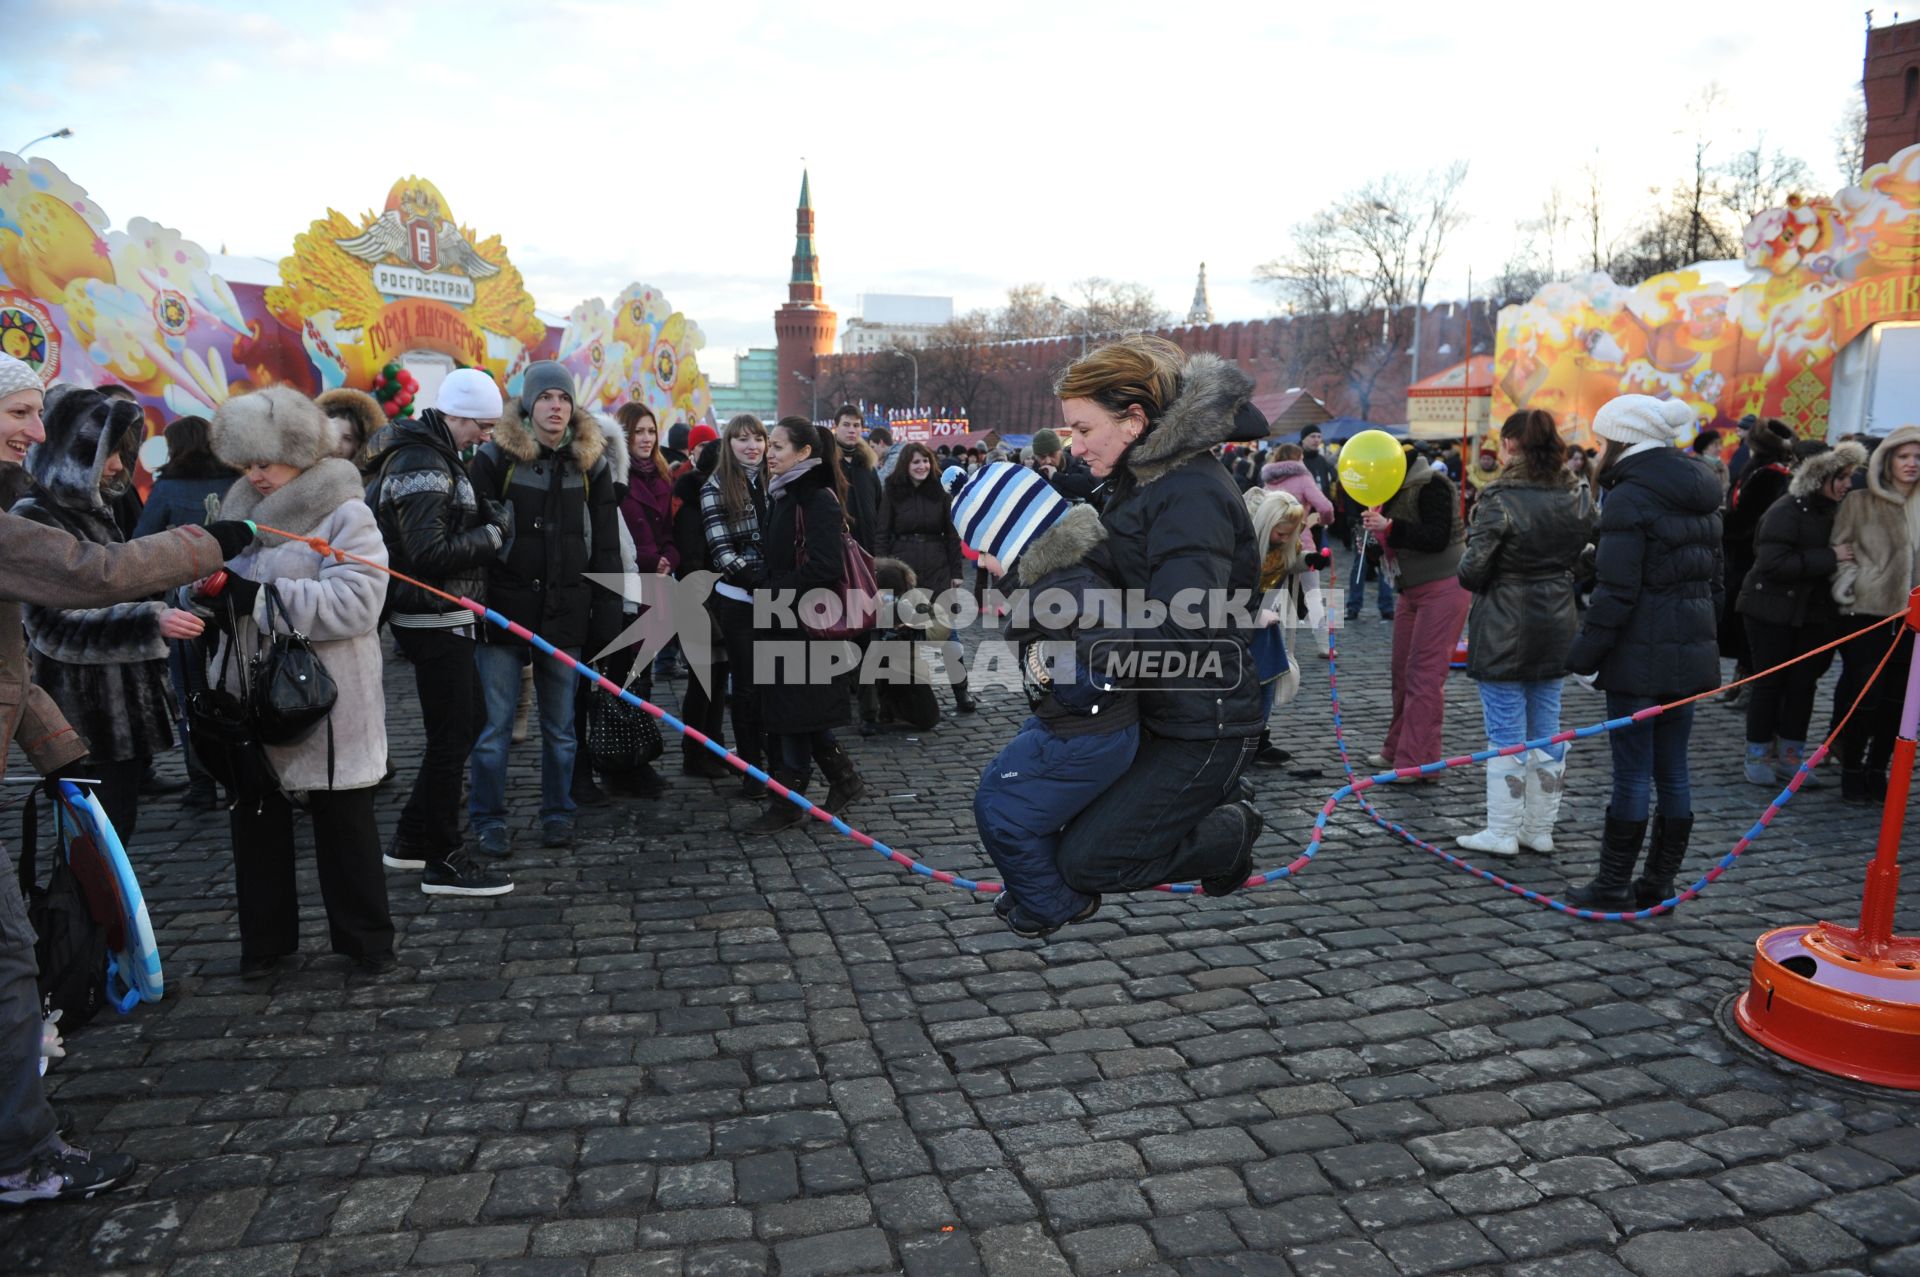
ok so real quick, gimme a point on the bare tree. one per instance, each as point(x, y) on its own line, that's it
point(1111, 306)
point(1850, 137)
point(1358, 273)
point(1593, 212)
point(1756, 179)
point(1032, 311)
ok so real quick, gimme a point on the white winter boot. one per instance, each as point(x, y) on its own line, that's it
point(1506, 805)
point(1546, 781)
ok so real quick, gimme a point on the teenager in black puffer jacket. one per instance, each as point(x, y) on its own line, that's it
point(1759, 484)
point(1787, 603)
point(1648, 636)
point(916, 527)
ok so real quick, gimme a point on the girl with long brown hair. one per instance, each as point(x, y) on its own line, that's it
point(733, 508)
point(1529, 527)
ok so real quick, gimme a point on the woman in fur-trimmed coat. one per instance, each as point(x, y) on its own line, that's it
point(106, 667)
point(1787, 603)
point(283, 444)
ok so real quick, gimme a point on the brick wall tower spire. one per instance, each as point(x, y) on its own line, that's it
point(804, 327)
point(1201, 312)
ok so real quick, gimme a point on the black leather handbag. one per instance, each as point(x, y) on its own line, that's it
point(221, 731)
point(291, 691)
point(621, 738)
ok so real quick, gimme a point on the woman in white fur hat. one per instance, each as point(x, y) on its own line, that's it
point(1649, 635)
point(284, 446)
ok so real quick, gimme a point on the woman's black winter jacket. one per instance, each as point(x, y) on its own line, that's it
point(1176, 523)
point(1650, 628)
point(1791, 580)
point(918, 530)
point(1519, 562)
point(794, 700)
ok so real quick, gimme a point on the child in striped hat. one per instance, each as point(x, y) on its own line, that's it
point(1084, 729)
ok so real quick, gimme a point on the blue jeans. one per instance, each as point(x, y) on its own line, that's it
point(1514, 712)
point(553, 687)
point(1650, 755)
point(1357, 587)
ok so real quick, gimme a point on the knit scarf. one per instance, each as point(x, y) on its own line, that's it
point(781, 481)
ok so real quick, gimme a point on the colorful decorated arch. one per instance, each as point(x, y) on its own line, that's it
point(359, 300)
point(1761, 338)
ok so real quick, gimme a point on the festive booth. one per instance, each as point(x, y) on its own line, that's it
point(1452, 403)
point(1819, 325)
point(389, 302)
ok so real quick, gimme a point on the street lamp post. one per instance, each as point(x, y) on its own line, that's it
point(916, 375)
point(813, 386)
point(42, 138)
point(1081, 311)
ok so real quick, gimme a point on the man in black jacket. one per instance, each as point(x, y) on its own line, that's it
point(863, 478)
point(438, 531)
point(546, 461)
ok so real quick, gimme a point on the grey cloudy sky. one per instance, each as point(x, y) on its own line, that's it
point(955, 149)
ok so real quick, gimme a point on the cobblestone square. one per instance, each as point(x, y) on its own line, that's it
point(675, 1051)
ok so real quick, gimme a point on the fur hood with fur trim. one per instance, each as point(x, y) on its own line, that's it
point(84, 428)
point(1201, 415)
point(1074, 536)
point(1816, 471)
point(515, 436)
point(359, 411)
point(277, 425)
point(1878, 482)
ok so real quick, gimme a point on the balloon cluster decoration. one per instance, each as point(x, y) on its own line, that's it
point(395, 388)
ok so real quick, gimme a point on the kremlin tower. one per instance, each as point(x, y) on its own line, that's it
point(804, 327)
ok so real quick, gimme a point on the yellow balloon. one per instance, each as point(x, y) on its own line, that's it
point(1371, 467)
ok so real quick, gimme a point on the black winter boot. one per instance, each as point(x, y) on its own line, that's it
point(1612, 888)
point(844, 785)
point(749, 787)
point(963, 698)
point(1664, 854)
point(781, 813)
point(1249, 823)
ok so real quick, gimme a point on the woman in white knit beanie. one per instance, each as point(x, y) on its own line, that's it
point(1649, 636)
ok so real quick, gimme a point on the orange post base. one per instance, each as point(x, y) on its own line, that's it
point(1815, 1000)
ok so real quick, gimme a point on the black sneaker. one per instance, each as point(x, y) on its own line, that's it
point(495, 842)
point(400, 856)
point(459, 875)
point(65, 1173)
point(556, 833)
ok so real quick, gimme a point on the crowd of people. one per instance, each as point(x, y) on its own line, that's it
point(1636, 568)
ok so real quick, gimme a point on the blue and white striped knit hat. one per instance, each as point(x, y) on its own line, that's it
point(1002, 508)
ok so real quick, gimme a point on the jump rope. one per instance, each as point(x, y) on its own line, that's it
point(1356, 786)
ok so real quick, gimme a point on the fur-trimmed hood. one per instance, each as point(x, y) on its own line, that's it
point(1074, 536)
point(278, 425)
point(1816, 471)
point(1201, 415)
point(1877, 482)
point(302, 505)
point(83, 429)
point(515, 436)
point(894, 574)
point(360, 411)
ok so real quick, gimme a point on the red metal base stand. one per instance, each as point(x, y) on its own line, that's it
point(1846, 1000)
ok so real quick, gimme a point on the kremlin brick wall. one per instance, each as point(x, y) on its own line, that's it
point(1018, 398)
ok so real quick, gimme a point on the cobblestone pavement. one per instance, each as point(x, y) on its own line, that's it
point(675, 1051)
